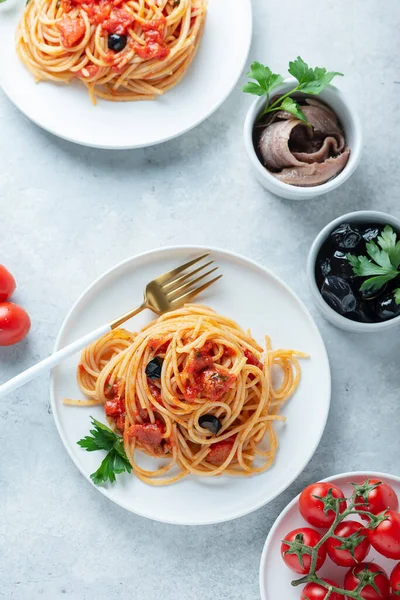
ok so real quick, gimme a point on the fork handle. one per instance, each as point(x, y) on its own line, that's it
point(52, 360)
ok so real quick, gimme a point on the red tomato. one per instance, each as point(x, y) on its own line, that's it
point(295, 554)
point(395, 580)
point(315, 591)
point(7, 284)
point(343, 556)
point(381, 498)
point(312, 509)
point(381, 581)
point(14, 323)
point(72, 31)
point(386, 537)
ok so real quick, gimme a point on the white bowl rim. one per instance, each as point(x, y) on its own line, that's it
point(349, 324)
point(283, 513)
point(233, 254)
point(305, 192)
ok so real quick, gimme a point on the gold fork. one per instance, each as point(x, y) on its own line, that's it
point(163, 294)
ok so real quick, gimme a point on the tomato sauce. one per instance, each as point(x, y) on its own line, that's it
point(114, 406)
point(208, 380)
point(154, 34)
point(220, 451)
point(72, 31)
point(252, 359)
point(150, 435)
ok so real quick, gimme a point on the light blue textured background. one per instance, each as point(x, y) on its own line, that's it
point(68, 213)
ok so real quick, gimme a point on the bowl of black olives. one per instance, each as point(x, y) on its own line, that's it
point(354, 271)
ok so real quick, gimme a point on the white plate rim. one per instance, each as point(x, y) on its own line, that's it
point(201, 248)
point(288, 507)
point(167, 138)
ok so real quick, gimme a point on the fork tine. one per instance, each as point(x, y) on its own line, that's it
point(182, 278)
point(186, 286)
point(166, 277)
point(192, 294)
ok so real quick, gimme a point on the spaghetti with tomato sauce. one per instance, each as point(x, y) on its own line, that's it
point(120, 49)
point(191, 387)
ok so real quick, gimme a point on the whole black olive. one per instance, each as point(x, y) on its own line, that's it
point(211, 423)
point(153, 369)
point(338, 294)
point(117, 42)
point(341, 266)
point(371, 233)
point(386, 307)
point(345, 237)
point(364, 312)
point(324, 266)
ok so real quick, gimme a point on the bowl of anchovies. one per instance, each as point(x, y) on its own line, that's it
point(353, 271)
point(301, 134)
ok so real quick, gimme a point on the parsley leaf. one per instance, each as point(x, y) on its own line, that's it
point(116, 461)
point(387, 241)
point(311, 81)
point(384, 264)
point(266, 80)
point(293, 108)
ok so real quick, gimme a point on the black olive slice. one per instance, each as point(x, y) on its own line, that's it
point(153, 369)
point(211, 423)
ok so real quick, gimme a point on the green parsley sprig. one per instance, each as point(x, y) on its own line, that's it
point(383, 264)
point(115, 462)
point(311, 81)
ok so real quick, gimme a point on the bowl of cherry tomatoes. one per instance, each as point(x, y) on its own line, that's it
point(14, 320)
point(338, 540)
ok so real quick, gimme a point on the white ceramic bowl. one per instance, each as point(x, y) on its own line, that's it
point(362, 216)
point(275, 577)
point(348, 117)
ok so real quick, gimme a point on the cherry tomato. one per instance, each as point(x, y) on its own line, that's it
point(7, 284)
point(343, 556)
point(293, 553)
point(315, 591)
point(381, 498)
point(14, 323)
point(386, 537)
point(312, 509)
point(352, 579)
point(395, 580)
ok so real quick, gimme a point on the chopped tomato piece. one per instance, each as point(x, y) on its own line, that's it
point(201, 360)
point(118, 22)
point(220, 451)
point(148, 434)
point(97, 13)
point(72, 31)
point(88, 71)
point(151, 50)
point(158, 25)
point(114, 407)
point(216, 382)
point(252, 359)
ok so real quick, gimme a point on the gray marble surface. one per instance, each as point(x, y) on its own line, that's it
point(59, 203)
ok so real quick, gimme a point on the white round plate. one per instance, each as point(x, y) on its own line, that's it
point(275, 577)
point(256, 299)
point(67, 111)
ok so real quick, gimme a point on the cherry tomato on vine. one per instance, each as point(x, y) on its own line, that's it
point(313, 510)
point(395, 580)
point(14, 323)
point(385, 538)
point(315, 591)
point(7, 284)
point(294, 553)
point(372, 574)
point(380, 498)
point(351, 550)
